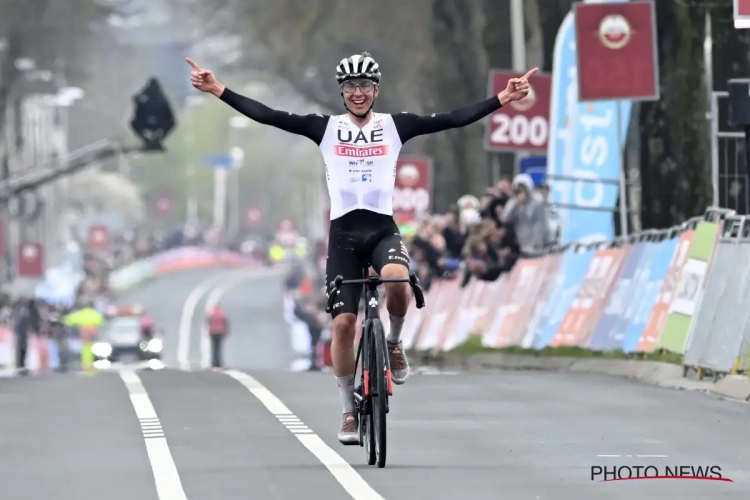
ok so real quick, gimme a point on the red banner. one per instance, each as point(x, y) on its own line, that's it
point(617, 52)
point(30, 260)
point(413, 192)
point(521, 125)
point(98, 237)
point(742, 14)
point(254, 217)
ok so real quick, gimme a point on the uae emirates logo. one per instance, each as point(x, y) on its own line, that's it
point(615, 31)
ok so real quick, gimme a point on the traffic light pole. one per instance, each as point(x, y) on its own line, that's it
point(14, 186)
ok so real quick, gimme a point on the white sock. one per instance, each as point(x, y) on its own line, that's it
point(346, 390)
point(395, 334)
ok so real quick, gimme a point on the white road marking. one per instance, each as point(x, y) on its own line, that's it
point(347, 477)
point(168, 484)
point(631, 456)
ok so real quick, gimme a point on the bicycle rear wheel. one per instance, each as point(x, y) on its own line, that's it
point(379, 390)
point(367, 433)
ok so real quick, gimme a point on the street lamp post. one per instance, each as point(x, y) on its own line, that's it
point(236, 125)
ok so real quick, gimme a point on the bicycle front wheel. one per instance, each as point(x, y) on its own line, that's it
point(379, 390)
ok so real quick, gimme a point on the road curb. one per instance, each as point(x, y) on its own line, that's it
point(733, 386)
point(650, 372)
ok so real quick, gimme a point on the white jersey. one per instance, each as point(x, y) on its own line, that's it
point(361, 164)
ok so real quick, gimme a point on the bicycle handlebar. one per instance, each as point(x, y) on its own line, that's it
point(375, 281)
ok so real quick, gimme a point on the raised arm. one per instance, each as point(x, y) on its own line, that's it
point(410, 125)
point(312, 126)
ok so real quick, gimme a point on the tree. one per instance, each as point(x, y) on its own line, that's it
point(459, 71)
point(431, 52)
point(49, 33)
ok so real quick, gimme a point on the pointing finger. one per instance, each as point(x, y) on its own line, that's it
point(530, 74)
point(192, 64)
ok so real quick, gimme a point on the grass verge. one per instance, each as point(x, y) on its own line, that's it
point(473, 345)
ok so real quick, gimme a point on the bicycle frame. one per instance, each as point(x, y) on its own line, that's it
point(372, 311)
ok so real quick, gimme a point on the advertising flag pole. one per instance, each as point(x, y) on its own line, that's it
point(623, 184)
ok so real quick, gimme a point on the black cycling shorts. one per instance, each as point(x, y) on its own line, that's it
point(357, 238)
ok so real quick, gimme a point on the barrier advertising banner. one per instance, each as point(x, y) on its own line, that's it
point(607, 335)
point(573, 267)
point(585, 311)
point(685, 299)
point(719, 337)
point(658, 316)
point(648, 294)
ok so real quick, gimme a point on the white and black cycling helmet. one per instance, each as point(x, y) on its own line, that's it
point(358, 66)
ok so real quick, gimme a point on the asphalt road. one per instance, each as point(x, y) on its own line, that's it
point(509, 435)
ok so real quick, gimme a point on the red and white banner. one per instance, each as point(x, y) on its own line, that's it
point(30, 260)
point(521, 125)
point(742, 14)
point(617, 52)
point(98, 237)
point(412, 195)
point(254, 217)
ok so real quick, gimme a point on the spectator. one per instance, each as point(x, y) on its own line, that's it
point(454, 239)
point(218, 329)
point(526, 212)
point(22, 326)
point(552, 236)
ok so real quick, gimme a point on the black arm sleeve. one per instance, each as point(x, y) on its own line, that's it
point(311, 126)
point(410, 125)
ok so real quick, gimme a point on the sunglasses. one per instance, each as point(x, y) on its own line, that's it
point(350, 86)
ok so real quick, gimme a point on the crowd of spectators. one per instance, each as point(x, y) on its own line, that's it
point(483, 238)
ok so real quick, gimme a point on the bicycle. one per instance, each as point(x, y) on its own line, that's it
point(376, 384)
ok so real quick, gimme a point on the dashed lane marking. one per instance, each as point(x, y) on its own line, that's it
point(168, 484)
point(347, 477)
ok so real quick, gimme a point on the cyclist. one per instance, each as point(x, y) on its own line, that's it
point(360, 148)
